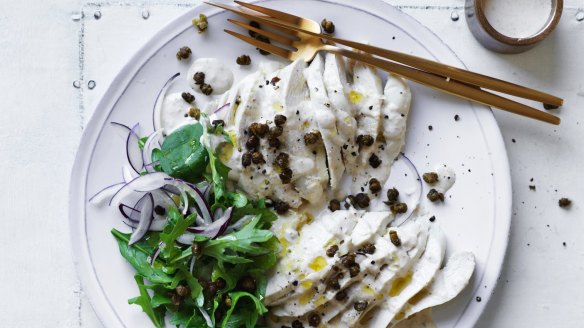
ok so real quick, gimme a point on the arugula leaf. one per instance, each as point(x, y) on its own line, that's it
point(138, 257)
point(246, 315)
point(267, 216)
point(142, 142)
point(188, 319)
point(176, 226)
point(182, 155)
point(238, 246)
point(156, 314)
point(236, 199)
point(219, 173)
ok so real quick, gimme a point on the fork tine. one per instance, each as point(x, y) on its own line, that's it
point(270, 12)
point(272, 36)
point(261, 18)
point(262, 45)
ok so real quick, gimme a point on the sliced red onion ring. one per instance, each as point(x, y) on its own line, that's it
point(156, 253)
point(121, 125)
point(218, 213)
point(133, 152)
point(202, 205)
point(130, 214)
point(158, 103)
point(239, 224)
point(221, 108)
point(149, 145)
point(143, 183)
point(105, 193)
point(146, 217)
point(128, 173)
point(216, 228)
point(186, 238)
point(206, 316)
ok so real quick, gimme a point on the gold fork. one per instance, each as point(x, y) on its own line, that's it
point(306, 44)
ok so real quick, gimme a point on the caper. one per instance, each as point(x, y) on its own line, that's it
point(257, 158)
point(274, 143)
point(354, 270)
point(246, 159)
point(201, 23)
point(394, 238)
point(195, 113)
point(564, 202)
point(206, 89)
point(314, 319)
point(369, 248)
point(259, 129)
point(286, 176)
point(187, 97)
point(362, 200)
point(332, 250)
point(334, 205)
point(392, 196)
point(374, 161)
point(430, 177)
point(243, 60)
point(199, 78)
point(252, 142)
point(283, 160)
point(279, 120)
point(374, 185)
point(360, 306)
point(399, 208)
point(364, 140)
point(328, 26)
point(281, 207)
point(312, 137)
point(183, 53)
point(434, 195)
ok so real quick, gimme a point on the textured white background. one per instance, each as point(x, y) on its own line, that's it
point(45, 47)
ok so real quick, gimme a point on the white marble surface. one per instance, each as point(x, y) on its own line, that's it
point(44, 48)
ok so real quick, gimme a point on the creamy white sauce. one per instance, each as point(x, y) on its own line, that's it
point(217, 75)
point(446, 178)
point(174, 112)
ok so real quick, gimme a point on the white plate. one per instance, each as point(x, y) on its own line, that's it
point(477, 212)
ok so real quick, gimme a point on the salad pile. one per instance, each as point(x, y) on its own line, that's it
point(200, 251)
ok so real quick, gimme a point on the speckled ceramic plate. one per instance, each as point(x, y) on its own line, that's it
point(475, 217)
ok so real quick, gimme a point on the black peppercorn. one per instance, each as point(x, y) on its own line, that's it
point(374, 161)
point(332, 250)
point(334, 205)
point(199, 78)
point(314, 319)
point(243, 60)
point(328, 26)
point(340, 296)
point(374, 185)
point(297, 324)
point(187, 97)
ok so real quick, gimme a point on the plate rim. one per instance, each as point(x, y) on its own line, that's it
point(92, 131)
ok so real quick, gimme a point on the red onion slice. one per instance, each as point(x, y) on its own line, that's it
point(202, 206)
point(146, 217)
point(158, 103)
point(128, 173)
point(129, 214)
point(156, 253)
point(105, 193)
point(133, 152)
point(216, 228)
point(149, 145)
point(143, 183)
point(221, 108)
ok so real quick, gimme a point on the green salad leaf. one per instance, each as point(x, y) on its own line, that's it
point(155, 313)
point(182, 155)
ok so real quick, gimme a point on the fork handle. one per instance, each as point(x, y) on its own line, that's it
point(449, 86)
